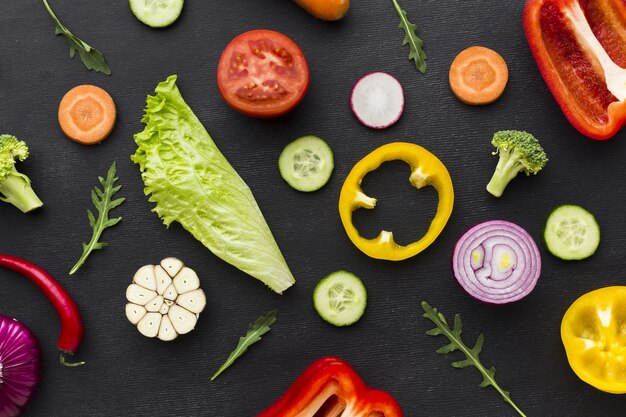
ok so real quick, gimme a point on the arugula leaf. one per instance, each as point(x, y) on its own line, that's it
point(91, 57)
point(255, 331)
point(472, 355)
point(416, 45)
point(102, 199)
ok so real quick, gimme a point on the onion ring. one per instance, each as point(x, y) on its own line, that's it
point(497, 262)
point(20, 366)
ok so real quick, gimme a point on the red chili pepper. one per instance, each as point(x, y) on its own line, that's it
point(580, 47)
point(330, 387)
point(71, 323)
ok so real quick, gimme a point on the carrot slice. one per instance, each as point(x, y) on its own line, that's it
point(478, 75)
point(87, 114)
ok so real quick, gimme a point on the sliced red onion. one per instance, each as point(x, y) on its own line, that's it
point(20, 362)
point(497, 262)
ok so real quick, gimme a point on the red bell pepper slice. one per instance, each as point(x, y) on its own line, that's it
point(580, 47)
point(329, 388)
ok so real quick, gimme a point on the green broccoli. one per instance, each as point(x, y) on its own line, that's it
point(15, 187)
point(519, 151)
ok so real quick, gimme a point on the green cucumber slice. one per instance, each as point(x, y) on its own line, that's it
point(571, 233)
point(306, 163)
point(340, 298)
point(156, 13)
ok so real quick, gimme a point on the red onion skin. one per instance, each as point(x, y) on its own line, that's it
point(71, 323)
point(20, 366)
point(532, 248)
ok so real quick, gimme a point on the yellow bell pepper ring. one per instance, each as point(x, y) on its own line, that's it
point(426, 169)
point(593, 332)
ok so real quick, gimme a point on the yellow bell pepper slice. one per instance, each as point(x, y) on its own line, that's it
point(593, 332)
point(426, 169)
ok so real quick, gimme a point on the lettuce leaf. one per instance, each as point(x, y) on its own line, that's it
point(192, 183)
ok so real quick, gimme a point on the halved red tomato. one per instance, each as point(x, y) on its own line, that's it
point(263, 74)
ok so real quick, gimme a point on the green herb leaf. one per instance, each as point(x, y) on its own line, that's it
point(91, 57)
point(198, 188)
point(471, 354)
point(255, 331)
point(416, 45)
point(104, 203)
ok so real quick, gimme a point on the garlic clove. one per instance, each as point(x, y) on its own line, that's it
point(155, 304)
point(170, 293)
point(166, 330)
point(144, 277)
point(165, 300)
point(194, 301)
point(139, 295)
point(134, 313)
point(149, 325)
point(162, 279)
point(183, 320)
point(172, 266)
point(186, 280)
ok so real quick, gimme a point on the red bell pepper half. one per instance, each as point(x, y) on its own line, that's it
point(331, 388)
point(580, 47)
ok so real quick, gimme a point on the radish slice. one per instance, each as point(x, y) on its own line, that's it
point(377, 100)
point(20, 364)
point(497, 262)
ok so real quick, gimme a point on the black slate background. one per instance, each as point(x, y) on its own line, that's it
point(128, 374)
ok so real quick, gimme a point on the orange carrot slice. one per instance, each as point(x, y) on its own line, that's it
point(87, 114)
point(478, 75)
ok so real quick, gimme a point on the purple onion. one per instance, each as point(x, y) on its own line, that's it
point(497, 262)
point(20, 363)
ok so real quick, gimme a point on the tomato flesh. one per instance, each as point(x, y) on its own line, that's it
point(262, 73)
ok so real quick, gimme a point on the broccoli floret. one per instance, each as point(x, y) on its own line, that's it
point(519, 152)
point(15, 187)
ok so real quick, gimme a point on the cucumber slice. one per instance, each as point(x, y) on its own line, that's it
point(571, 233)
point(340, 298)
point(306, 163)
point(156, 13)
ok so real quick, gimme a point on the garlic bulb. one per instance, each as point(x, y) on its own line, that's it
point(165, 300)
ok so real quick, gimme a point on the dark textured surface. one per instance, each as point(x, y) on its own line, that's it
point(128, 374)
